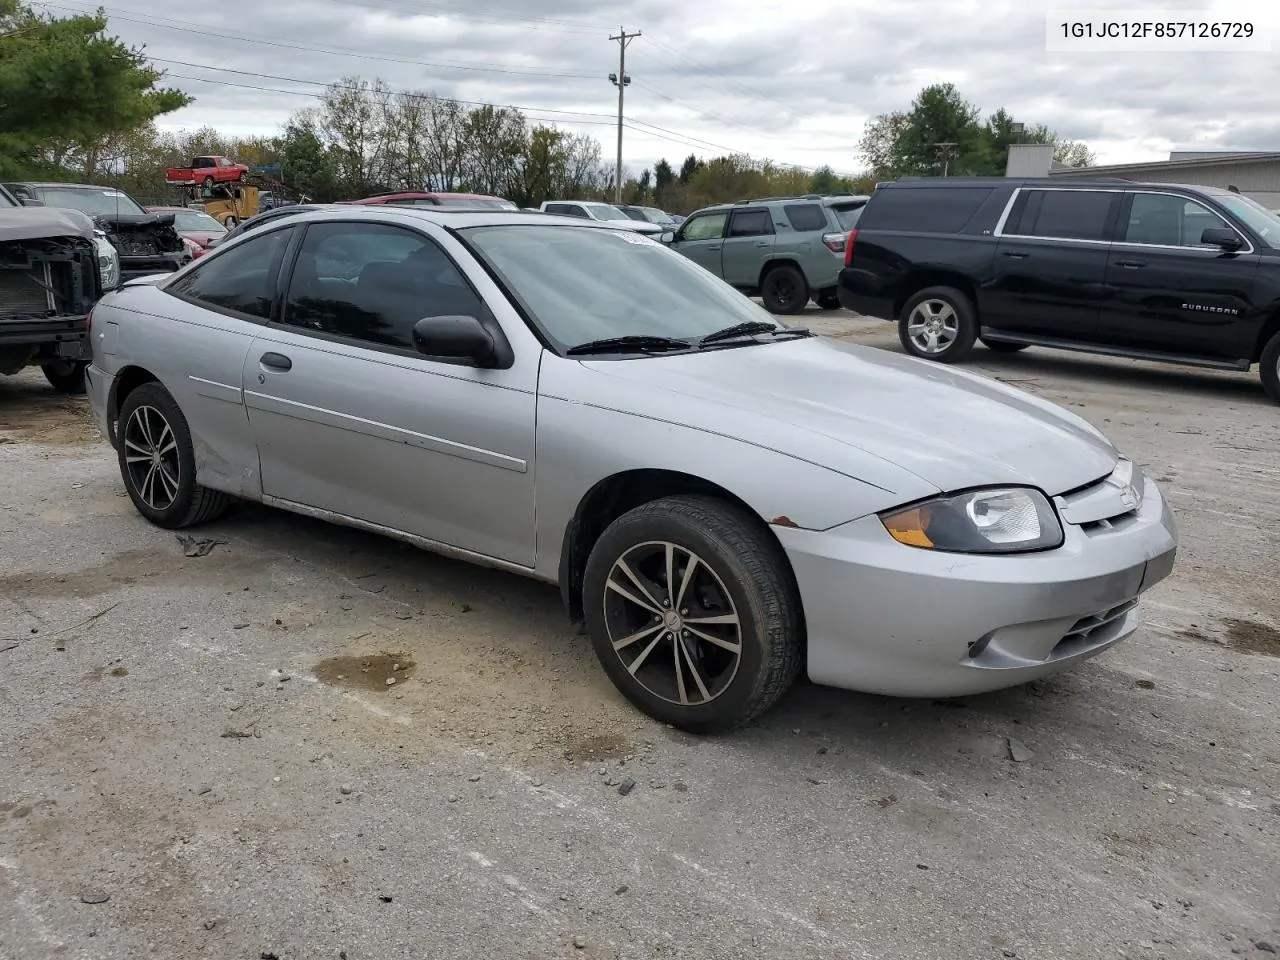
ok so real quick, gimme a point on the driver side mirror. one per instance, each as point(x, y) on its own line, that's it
point(31, 202)
point(460, 338)
point(668, 236)
point(1223, 237)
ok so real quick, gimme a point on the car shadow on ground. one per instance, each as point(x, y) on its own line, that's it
point(816, 724)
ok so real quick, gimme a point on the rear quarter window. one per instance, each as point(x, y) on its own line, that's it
point(806, 216)
point(923, 209)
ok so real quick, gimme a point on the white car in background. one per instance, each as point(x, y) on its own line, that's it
point(600, 213)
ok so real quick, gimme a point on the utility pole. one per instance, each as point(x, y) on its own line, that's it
point(944, 155)
point(620, 80)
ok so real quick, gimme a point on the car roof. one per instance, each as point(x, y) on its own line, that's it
point(59, 183)
point(443, 216)
point(422, 195)
point(1067, 183)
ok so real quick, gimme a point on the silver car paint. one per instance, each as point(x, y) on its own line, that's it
point(812, 435)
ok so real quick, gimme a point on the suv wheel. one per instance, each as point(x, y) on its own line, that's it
point(938, 323)
point(784, 290)
point(828, 300)
point(66, 376)
point(1269, 368)
point(692, 612)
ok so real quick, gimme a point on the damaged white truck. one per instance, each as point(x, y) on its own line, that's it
point(53, 264)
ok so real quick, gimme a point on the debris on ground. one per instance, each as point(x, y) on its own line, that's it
point(197, 546)
point(95, 896)
point(1019, 752)
point(626, 786)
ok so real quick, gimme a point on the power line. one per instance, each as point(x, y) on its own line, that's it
point(333, 51)
point(742, 90)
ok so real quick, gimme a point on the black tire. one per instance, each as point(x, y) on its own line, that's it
point(208, 183)
point(188, 503)
point(1269, 367)
point(66, 376)
point(1003, 346)
point(739, 568)
point(784, 290)
point(940, 304)
point(244, 178)
point(828, 300)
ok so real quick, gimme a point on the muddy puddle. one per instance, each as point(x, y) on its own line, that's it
point(373, 673)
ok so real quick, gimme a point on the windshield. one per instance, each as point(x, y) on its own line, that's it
point(1256, 217)
point(195, 220)
point(7, 199)
point(98, 201)
point(584, 283)
point(605, 211)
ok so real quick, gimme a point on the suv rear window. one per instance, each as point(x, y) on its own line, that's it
point(923, 209)
point(848, 216)
point(806, 216)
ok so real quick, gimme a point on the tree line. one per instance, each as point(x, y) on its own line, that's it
point(78, 104)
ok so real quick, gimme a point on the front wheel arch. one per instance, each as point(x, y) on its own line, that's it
point(609, 499)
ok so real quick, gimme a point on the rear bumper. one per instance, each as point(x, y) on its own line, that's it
point(865, 293)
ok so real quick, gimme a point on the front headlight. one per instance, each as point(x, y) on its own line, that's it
point(108, 263)
point(1003, 520)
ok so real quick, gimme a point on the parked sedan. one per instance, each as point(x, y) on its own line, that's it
point(725, 501)
point(195, 225)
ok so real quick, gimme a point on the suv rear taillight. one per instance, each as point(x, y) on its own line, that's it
point(848, 247)
point(834, 242)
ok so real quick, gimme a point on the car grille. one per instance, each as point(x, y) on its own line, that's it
point(21, 294)
point(1094, 629)
point(1097, 507)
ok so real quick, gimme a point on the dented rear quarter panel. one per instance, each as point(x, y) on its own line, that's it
point(198, 356)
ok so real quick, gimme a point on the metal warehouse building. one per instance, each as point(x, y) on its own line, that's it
point(1255, 174)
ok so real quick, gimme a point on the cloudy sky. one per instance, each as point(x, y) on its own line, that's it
point(794, 82)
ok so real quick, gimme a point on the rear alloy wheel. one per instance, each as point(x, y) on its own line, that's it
point(1004, 346)
point(1269, 368)
point(938, 323)
point(66, 376)
point(692, 613)
point(784, 290)
point(157, 462)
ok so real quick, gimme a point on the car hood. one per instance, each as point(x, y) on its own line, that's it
point(880, 417)
point(136, 221)
point(640, 226)
point(36, 223)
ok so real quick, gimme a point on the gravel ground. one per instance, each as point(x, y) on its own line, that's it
point(204, 756)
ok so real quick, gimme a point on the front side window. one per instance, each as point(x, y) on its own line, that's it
point(751, 223)
point(241, 278)
point(1169, 221)
point(581, 284)
point(373, 282)
point(1064, 214)
point(708, 226)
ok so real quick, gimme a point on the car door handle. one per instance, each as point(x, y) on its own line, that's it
point(714, 247)
point(276, 361)
point(1014, 255)
point(1131, 264)
point(763, 243)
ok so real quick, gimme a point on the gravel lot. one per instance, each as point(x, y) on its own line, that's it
point(202, 756)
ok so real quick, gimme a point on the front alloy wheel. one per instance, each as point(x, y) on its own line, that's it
point(693, 612)
point(672, 623)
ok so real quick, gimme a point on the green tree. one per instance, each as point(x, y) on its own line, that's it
point(309, 167)
point(66, 88)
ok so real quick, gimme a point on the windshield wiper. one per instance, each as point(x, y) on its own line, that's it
point(639, 343)
point(752, 327)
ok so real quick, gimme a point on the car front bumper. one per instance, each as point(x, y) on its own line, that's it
point(891, 619)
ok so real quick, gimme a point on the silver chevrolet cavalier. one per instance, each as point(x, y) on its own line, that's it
point(723, 500)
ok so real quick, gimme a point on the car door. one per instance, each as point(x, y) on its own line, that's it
point(1049, 272)
point(701, 239)
point(351, 422)
point(223, 302)
point(748, 244)
point(1170, 292)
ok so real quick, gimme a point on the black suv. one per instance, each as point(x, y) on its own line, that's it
point(1152, 271)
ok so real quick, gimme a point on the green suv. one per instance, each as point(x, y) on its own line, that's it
point(785, 250)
